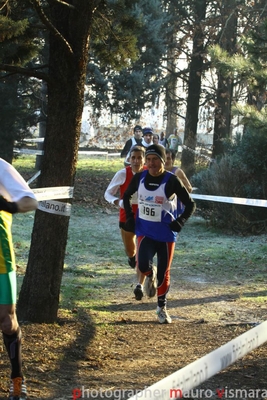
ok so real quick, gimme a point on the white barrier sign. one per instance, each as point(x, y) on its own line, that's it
point(60, 192)
point(182, 381)
point(55, 207)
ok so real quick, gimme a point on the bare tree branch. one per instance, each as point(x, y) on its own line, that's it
point(64, 3)
point(25, 71)
point(1, 8)
point(50, 26)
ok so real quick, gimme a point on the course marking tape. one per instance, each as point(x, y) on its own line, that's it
point(55, 207)
point(191, 376)
point(33, 177)
point(80, 152)
point(36, 140)
point(232, 200)
point(66, 192)
point(48, 193)
point(89, 153)
point(29, 151)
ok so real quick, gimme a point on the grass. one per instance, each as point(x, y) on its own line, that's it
point(95, 263)
point(96, 164)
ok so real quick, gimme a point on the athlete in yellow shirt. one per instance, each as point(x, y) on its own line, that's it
point(15, 197)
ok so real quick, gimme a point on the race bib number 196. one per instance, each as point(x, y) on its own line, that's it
point(149, 212)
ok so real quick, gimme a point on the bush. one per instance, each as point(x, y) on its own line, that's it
point(240, 173)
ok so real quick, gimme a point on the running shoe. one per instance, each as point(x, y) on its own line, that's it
point(163, 316)
point(151, 283)
point(18, 390)
point(138, 292)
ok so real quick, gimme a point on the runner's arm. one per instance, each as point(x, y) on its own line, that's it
point(16, 195)
point(131, 189)
point(114, 187)
point(175, 186)
point(181, 175)
point(22, 205)
point(26, 204)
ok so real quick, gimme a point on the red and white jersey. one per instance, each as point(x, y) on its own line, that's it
point(120, 182)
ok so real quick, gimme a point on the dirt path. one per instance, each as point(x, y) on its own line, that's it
point(128, 350)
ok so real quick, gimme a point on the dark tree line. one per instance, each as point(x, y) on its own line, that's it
point(128, 53)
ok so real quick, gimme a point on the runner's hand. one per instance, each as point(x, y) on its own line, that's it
point(130, 224)
point(176, 225)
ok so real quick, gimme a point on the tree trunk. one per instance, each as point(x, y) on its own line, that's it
point(171, 89)
point(222, 124)
point(42, 125)
point(194, 91)
point(39, 296)
point(9, 108)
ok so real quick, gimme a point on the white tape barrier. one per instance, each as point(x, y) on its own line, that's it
point(66, 192)
point(44, 196)
point(91, 153)
point(105, 153)
point(36, 140)
point(28, 151)
point(100, 153)
point(80, 152)
point(191, 376)
point(232, 200)
point(33, 177)
point(48, 193)
point(55, 207)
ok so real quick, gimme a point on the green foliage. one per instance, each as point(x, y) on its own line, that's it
point(10, 28)
point(114, 35)
point(230, 66)
point(16, 117)
point(252, 118)
point(248, 67)
point(127, 85)
point(18, 37)
point(241, 173)
point(21, 46)
point(251, 149)
point(127, 42)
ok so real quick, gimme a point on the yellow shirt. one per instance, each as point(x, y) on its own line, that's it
point(7, 256)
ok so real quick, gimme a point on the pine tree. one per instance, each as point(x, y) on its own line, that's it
point(69, 24)
point(224, 92)
point(18, 101)
point(194, 89)
point(125, 89)
point(249, 68)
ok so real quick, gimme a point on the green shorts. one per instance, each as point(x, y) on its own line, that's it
point(8, 288)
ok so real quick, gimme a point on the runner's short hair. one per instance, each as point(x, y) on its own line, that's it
point(138, 148)
point(171, 152)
